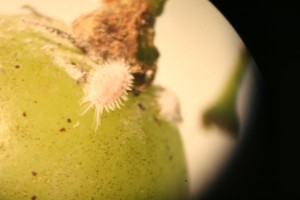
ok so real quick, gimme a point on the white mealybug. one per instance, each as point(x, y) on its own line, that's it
point(107, 87)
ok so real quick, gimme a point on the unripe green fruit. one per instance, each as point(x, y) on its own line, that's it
point(50, 150)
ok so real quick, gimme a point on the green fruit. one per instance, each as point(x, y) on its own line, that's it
point(50, 150)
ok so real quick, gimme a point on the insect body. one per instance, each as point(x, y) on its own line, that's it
point(107, 87)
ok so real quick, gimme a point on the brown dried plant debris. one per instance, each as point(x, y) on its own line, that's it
point(112, 32)
point(118, 30)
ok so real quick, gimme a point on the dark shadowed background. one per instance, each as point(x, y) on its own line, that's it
point(253, 174)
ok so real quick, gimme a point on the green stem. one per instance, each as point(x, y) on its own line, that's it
point(223, 113)
point(156, 6)
point(147, 52)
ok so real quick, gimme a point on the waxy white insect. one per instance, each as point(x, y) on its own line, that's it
point(107, 87)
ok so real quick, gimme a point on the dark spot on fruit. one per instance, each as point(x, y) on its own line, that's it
point(136, 92)
point(170, 157)
point(62, 130)
point(33, 173)
point(33, 198)
point(69, 120)
point(35, 101)
point(24, 114)
point(17, 66)
point(168, 147)
point(156, 120)
point(73, 63)
point(141, 106)
point(185, 180)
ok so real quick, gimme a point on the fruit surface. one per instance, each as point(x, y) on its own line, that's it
point(50, 150)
